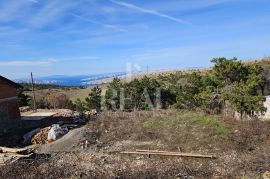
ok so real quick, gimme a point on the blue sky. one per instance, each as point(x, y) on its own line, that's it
point(68, 37)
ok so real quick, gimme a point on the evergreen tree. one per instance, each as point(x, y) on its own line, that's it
point(80, 106)
point(112, 95)
point(93, 101)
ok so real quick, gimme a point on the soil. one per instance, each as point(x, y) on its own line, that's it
point(93, 150)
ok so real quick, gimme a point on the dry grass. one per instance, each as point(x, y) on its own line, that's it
point(176, 130)
point(242, 148)
point(123, 169)
point(36, 169)
point(72, 94)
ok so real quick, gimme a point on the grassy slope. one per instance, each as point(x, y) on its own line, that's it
point(72, 92)
point(187, 130)
point(78, 93)
point(241, 146)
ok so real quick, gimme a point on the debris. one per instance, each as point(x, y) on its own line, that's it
point(37, 116)
point(52, 133)
point(25, 109)
point(92, 112)
point(10, 155)
point(168, 153)
point(85, 144)
point(56, 132)
point(8, 158)
point(41, 136)
point(70, 126)
point(67, 113)
point(16, 150)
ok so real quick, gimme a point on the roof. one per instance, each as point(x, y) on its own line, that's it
point(10, 82)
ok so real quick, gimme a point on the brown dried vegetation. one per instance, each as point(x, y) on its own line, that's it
point(242, 148)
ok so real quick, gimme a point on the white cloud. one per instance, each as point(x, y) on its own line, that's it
point(149, 11)
point(23, 63)
point(47, 62)
point(113, 27)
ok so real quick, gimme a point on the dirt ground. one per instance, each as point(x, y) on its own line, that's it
point(13, 137)
point(242, 148)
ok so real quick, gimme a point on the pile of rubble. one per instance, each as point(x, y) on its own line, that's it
point(41, 137)
point(51, 129)
point(66, 120)
point(64, 113)
point(45, 135)
point(67, 113)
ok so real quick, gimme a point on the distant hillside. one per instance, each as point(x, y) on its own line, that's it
point(81, 80)
point(28, 87)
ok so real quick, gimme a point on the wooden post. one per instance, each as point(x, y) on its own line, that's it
point(168, 153)
point(33, 90)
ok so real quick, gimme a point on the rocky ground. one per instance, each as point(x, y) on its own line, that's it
point(93, 150)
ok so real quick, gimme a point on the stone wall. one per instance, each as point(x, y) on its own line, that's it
point(266, 116)
point(267, 105)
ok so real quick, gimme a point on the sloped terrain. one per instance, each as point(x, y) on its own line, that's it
point(241, 147)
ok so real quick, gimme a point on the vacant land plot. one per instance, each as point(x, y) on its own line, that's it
point(242, 148)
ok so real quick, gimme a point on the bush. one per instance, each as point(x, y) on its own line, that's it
point(230, 81)
point(58, 101)
point(80, 106)
point(93, 101)
point(53, 101)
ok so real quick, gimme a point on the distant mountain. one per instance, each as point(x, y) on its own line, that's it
point(79, 80)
